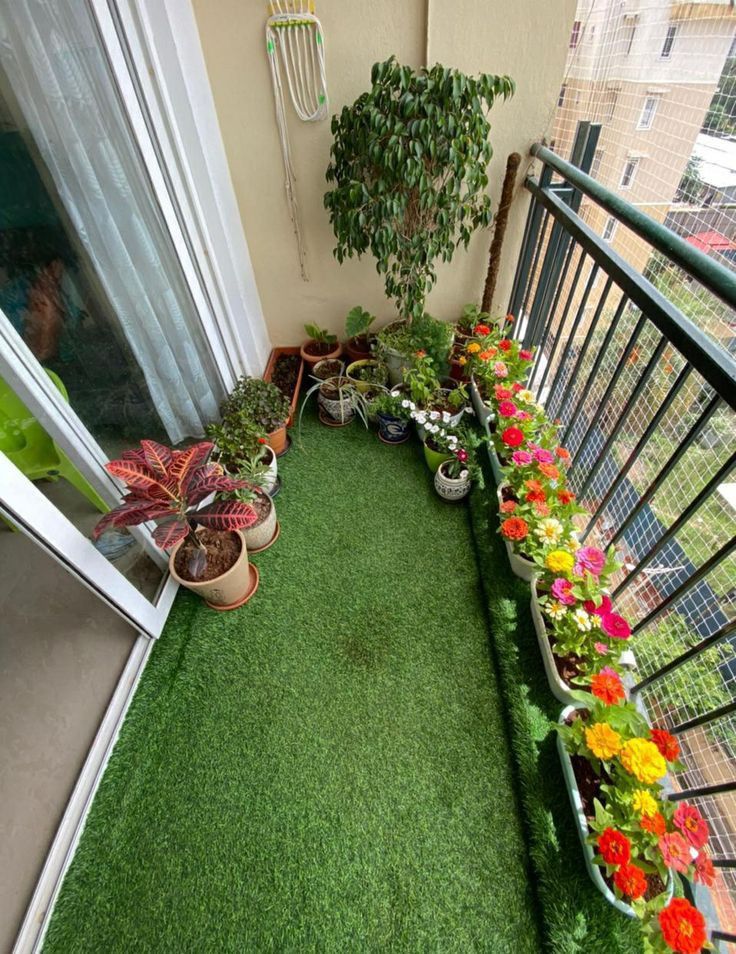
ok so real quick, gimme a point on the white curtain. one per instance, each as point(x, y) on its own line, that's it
point(54, 64)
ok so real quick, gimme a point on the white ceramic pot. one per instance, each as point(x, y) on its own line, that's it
point(484, 414)
point(451, 488)
point(584, 832)
point(270, 462)
point(520, 566)
point(560, 689)
point(260, 535)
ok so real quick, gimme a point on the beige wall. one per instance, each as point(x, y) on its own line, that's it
point(526, 39)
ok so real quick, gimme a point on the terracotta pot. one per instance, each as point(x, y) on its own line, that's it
point(358, 348)
point(277, 441)
point(229, 590)
point(268, 375)
point(261, 535)
point(314, 358)
point(451, 488)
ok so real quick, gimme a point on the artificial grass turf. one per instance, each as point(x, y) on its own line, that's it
point(576, 919)
point(327, 768)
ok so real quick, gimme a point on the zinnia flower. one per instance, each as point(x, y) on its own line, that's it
point(515, 528)
point(561, 590)
point(549, 530)
point(521, 458)
point(565, 496)
point(507, 506)
point(582, 620)
point(559, 561)
point(603, 741)
point(543, 456)
point(512, 437)
point(525, 355)
point(507, 409)
point(502, 393)
point(481, 331)
point(654, 824)
point(591, 559)
point(500, 370)
point(550, 471)
point(525, 396)
point(692, 824)
point(666, 743)
point(542, 508)
point(607, 686)
point(504, 344)
point(600, 648)
point(683, 927)
point(536, 496)
point(555, 610)
point(473, 347)
point(614, 625)
point(614, 847)
point(631, 881)
point(600, 610)
point(644, 803)
point(487, 354)
point(704, 871)
point(642, 759)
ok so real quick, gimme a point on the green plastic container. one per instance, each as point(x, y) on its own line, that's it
point(434, 458)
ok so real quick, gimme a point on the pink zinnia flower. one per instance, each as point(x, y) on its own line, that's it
point(500, 370)
point(615, 626)
point(525, 355)
point(521, 458)
point(692, 824)
point(507, 409)
point(675, 851)
point(601, 648)
point(543, 456)
point(601, 610)
point(523, 416)
point(562, 591)
point(591, 559)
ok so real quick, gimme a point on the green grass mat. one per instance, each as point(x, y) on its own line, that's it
point(576, 918)
point(327, 768)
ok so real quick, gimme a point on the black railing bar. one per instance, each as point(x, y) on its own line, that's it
point(542, 232)
point(705, 719)
point(713, 560)
point(720, 788)
point(710, 273)
point(631, 402)
point(532, 245)
point(695, 504)
point(611, 387)
point(562, 365)
point(725, 863)
point(712, 361)
point(719, 935)
point(547, 281)
point(682, 448)
point(596, 365)
point(687, 655)
point(552, 312)
point(584, 350)
point(563, 319)
point(654, 423)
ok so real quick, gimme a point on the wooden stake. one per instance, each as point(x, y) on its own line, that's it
point(499, 228)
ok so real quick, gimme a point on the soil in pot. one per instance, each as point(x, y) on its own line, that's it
point(333, 392)
point(223, 549)
point(358, 348)
point(286, 373)
point(318, 349)
point(262, 506)
point(328, 369)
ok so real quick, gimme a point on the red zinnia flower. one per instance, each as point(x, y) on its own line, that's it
point(508, 506)
point(563, 453)
point(614, 847)
point(262, 440)
point(502, 393)
point(607, 686)
point(512, 437)
point(604, 608)
point(675, 851)
point(504, 344)
point(705, 873)
point(683, 927)
point(565, 496)
point(667, 744)
point(631, 881)
point(615, 626)
point(525, 355)
point(692, 824)
point(536, 496)
point(516, 387)
point(481, 330)
point(654, 824)
point(507, 409)
point(515, 528)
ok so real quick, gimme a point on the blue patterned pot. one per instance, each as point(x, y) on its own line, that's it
point(392, 430)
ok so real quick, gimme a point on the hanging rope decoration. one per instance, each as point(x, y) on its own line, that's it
point(295, 46)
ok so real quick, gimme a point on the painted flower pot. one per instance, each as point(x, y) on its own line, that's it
point(560, 689)
point(359, 384)
point(264, 532)
point(520, 566)
point(393, 430)
point(435, 458)
point(581, 823)
point(451, 488)
point(231, 589)
point(311, 357)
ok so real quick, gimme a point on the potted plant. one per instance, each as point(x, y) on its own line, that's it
point(265, 529)
point(393, 413)
point(327, 368)
point(264, 405)
point(285, 369)
point(359, 342)
point(243, 449)
point(454, 477)
point(320, 344)
point(208, 550)
point(367, 373)
point(408, 164)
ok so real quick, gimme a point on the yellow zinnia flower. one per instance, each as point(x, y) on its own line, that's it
point(642, 759)
point(602, 741)
point(559, 561)
point(644, 803)
point(473, 347)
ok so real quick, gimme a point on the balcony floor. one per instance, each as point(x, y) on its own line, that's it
point(327, 768)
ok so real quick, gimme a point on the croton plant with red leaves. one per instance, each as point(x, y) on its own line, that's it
point(168, 485)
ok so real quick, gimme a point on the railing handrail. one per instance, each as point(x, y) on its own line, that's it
point(711, 274)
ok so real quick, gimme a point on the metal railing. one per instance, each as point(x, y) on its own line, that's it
point(646, 401)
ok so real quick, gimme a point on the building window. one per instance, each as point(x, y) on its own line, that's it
point(561, 97)
point(629, 31)
point(647, 114)
point(609, 229)
point(669, 40)
point(576, 34)
point(609, 105)
point(629, 172)
point(596, 164)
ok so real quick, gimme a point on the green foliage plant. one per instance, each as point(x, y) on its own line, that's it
point(408, 164)
point(358, 321)
point(320, 335)
point(256, 401)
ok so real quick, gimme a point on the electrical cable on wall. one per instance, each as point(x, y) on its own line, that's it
point(295, 46)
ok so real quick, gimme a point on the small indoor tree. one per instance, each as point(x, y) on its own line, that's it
point(409, 163)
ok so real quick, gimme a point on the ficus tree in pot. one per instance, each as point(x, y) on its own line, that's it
point(408, 163)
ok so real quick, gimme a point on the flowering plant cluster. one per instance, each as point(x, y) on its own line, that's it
point(491, 357)
point(641, 839)
point(425, 390)
point(460, 442)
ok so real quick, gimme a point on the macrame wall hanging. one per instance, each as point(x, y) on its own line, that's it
point(296, 50)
